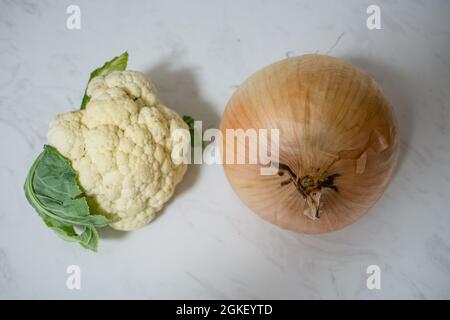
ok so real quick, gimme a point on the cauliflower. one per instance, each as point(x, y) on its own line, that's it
point(126, 146)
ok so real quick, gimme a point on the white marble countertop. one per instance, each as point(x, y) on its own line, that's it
point(206, 243)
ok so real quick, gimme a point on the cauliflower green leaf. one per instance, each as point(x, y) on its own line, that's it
point(116, 64)
point(196, 134)
point(52, 189)
point(190, 122)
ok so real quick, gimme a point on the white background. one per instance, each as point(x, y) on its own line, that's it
point(206, 243)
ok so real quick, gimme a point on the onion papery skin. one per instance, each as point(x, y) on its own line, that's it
point(333, 121)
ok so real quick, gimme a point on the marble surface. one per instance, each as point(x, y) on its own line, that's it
point(206, 243)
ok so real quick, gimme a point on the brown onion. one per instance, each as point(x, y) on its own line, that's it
point(338, 142)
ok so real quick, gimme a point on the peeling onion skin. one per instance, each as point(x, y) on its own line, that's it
point(338, 137)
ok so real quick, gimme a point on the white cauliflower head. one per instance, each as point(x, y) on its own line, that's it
point(127, 148)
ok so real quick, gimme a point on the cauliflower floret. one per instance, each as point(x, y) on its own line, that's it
point(127, 148)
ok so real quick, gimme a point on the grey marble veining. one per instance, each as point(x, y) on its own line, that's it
point(197, 53)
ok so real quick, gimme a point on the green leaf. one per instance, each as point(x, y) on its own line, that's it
point(87, 239)
point(56, 176)
point(196, 135)
point(91, 238)
point(189, 121)
point(116, 64)
point(52, 189)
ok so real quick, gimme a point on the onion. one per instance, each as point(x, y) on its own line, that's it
point(338, 143)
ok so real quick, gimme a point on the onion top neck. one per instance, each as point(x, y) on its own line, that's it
point(310, 188)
